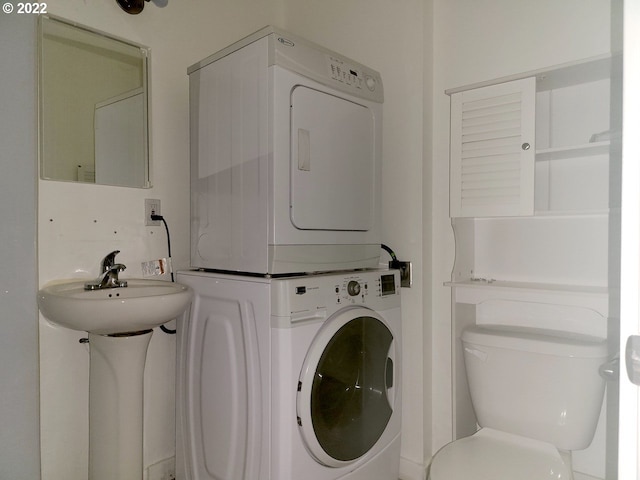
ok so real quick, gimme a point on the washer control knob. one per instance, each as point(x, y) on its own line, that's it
point(353, 288)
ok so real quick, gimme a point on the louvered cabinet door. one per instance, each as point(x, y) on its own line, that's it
point(493, 150)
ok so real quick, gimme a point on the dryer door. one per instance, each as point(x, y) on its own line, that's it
point(345, 391)
point(332, 162)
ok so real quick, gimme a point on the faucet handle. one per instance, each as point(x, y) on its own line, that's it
point(110, 278)
point(108, 261)
point(117, 267)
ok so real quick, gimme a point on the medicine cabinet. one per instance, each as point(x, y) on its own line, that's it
point(93, 106)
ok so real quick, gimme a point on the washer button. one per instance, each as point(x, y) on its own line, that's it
point(353, 288)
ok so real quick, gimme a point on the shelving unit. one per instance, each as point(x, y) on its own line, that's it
point(514, 156)
point(541, 257)
point(561, 142)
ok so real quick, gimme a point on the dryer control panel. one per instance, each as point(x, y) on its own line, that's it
point(351, 74)
point(311, 60)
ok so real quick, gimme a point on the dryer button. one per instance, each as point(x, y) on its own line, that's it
point(371, 83)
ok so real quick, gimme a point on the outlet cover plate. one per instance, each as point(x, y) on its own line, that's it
point(151, 206)
point(406, 275)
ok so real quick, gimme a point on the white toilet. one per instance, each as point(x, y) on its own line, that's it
point(537, 395)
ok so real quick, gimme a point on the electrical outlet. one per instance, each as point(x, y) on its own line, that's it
point(406, 276)
point(151, 207)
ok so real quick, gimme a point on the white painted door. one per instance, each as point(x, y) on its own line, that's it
point(630, 241)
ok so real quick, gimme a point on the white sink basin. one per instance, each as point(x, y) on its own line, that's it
point(142, 305)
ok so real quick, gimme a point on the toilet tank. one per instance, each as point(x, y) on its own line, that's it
point(536, 383)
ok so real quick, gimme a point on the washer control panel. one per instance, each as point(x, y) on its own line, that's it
point(316, 297)
point(352, 290)
point(357, 288)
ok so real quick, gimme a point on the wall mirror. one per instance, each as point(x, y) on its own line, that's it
point(93, 101)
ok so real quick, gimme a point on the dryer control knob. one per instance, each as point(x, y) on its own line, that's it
point(353, 288)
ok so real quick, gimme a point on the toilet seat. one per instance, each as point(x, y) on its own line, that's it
point(493, 455)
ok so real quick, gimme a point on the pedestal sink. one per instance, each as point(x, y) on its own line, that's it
point(119, 322)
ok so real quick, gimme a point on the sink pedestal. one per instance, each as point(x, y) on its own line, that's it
point(116, 372)
point(116, 359)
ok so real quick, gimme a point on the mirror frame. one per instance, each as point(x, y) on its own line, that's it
point(146, 86)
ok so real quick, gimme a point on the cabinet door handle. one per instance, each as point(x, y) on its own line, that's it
point(526, 146)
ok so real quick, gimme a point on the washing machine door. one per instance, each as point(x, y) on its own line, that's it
point(345, 390)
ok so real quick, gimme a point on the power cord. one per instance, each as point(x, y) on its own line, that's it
point(394, 263)
point(404, 267)
point(166, 330)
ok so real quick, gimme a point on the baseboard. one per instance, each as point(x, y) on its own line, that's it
point(410, 470)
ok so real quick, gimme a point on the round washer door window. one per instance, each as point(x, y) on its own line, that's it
point(345, 387)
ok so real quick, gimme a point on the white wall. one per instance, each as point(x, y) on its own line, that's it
point(469, 40)
point(19, 435)
point(388, 36)
point(476, 41)
point(76, 229)
point(78, 224)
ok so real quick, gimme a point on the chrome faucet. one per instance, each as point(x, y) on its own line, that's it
point(108, 261)
point(109, 271)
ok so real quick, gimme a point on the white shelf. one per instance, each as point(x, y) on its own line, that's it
point(554, 287)
point(571, 213)
point(573, 151)
point(546, 214)
point(479, 291)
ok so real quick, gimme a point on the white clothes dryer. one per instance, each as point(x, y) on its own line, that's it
point(286, 141)
point(290, 378)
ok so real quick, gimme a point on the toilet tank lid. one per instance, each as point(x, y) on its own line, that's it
point(536, 340)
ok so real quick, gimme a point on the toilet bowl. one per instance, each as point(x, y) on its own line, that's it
point(537, 396)
point(494, 455)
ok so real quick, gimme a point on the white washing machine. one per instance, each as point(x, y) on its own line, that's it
point(290, 378)
point(285, 158)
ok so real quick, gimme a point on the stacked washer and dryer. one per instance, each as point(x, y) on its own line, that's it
point(289, 360)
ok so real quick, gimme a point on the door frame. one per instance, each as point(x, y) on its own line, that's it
point(630, 241)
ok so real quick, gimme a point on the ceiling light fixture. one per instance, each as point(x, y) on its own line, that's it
point(136, 6)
